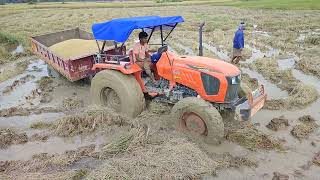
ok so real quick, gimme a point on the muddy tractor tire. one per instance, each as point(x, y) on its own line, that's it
point(117, 91)
point(198, 117)
point(52, 72)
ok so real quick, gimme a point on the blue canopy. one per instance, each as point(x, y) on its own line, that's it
point(119, 30)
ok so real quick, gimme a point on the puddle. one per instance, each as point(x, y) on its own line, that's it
point(86, 163)
point(187, 50)
point(26, 121)
point(272, 90)
point(285, 64)
point(18, 50)
point(222, 55)
point(17, 96)
point(52, 145)
point(257, 54)
point(307, 79)
point(261, 33)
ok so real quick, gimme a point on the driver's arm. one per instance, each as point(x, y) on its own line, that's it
point(148, 51)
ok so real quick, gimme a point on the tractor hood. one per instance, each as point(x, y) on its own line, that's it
point(207, 64)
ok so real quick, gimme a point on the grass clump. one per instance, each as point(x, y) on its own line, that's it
point(44, 81)
point(313, 40)
point(252, 139)
point(72, 103)
point(41, 125)
point(88, 121)
point(305, 128)
point(163, 160)
point(229, 161)
point(8, 137)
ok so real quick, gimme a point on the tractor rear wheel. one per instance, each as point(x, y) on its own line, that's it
point(198, 117)
point(117, 91)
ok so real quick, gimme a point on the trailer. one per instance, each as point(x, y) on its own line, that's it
point(73, 68)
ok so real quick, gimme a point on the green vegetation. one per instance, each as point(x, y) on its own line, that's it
point(277, 4)
point(262, 4)
point(8, 42)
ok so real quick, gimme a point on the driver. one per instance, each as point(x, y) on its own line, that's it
point(141, 55)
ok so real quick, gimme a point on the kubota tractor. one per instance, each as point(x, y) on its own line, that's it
point(200, 88)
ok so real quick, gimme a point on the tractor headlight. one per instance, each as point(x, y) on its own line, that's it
point(234, 80)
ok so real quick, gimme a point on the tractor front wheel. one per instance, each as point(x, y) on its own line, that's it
point(198, 117)
point(117, 91)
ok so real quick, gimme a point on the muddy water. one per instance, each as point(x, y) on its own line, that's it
point(285, 64)
point(18, 95)
point(222, 55)
point(297, 153)
point(52, 146)
point(24, 122)
point(272, 90)
point(258, 54)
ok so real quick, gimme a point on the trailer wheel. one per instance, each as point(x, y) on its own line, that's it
point(198, 117)
point(118, 91)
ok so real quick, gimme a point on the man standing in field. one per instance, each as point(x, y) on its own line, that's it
point(141, 55)
point(238, 44)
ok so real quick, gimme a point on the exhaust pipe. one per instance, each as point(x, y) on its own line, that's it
point(200, 39)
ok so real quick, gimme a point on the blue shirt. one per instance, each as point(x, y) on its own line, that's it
point(238, 40)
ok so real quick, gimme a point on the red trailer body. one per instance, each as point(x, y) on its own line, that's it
point(74, 68)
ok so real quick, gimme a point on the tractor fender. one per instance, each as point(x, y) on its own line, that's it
point(126, 68)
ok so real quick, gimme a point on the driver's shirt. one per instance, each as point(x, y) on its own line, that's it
point(140, 50)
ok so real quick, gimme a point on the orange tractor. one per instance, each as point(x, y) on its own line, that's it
point(201, 88)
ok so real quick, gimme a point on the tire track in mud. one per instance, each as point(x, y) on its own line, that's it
point(18, 95)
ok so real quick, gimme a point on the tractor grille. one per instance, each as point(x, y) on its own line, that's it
point(232, 91)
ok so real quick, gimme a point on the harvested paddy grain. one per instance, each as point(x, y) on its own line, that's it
point(88, 121)
point(169, 160)
point(74, 48)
